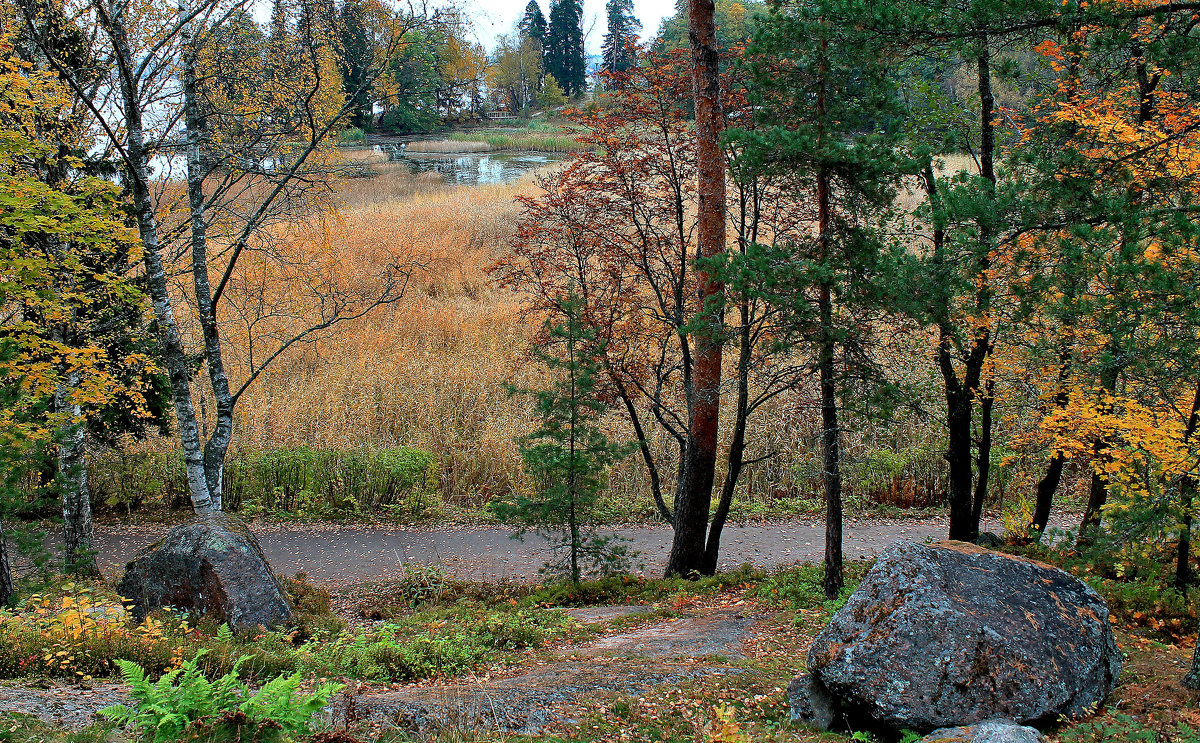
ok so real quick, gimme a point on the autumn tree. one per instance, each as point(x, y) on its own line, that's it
point(516, 71)
point(246, 168)
point(1109, 256)
point(61, 285)
point(735, 21)
point(619, 225)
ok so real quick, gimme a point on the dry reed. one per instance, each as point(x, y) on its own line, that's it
point(433, 370)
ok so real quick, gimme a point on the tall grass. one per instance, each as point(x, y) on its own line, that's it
point(523, 141)
point(448, 146)
point(432, 371)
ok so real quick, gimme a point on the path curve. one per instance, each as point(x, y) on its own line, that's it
point(340, 554)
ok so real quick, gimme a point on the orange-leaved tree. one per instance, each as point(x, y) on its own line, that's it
point(1108, 266)
point(619, 228)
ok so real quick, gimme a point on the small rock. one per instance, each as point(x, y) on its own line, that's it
point(990, 731)
point(212, 565)
point(811, 703)
point(989, 540)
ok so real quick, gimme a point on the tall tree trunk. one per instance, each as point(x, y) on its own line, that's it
point(8, 588)
point(1187, 493)
point(961, 393)
point(959, 413)
point(688, 547)
point(1098, 488)
point(1048, 485)
point(217, 445)
point(174, 355)
point(737, 444)
point(78, 555)
point(831, 451)
point(983, 459)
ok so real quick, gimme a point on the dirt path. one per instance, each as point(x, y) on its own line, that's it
point(549, 690)
point(333, 554)
point(545, 689)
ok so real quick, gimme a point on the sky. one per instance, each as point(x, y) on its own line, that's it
point(496, 17)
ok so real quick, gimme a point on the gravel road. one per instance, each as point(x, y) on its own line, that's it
point(340, 554)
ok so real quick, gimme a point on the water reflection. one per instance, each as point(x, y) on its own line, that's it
point(473, 169)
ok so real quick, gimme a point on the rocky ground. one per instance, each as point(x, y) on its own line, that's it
point(638, 648)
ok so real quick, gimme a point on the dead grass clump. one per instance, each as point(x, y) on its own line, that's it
point(447, 145)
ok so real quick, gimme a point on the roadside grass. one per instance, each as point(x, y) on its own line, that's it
point(437, 627)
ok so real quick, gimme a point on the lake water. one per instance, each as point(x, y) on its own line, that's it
point(474, 169)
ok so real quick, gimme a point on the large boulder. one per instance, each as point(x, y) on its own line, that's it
point(214, 566)
point(947, 634)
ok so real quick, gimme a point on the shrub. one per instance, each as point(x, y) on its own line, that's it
point(166, 708)
point(352, 135)
point(802, 586)
point(434, 644)
point(335, 482)
point(78, 635)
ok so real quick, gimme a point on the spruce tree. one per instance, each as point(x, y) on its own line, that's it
point(564, 46)
point(533, 24)
point(355, 56)
point(623, 28)
point(568, 454)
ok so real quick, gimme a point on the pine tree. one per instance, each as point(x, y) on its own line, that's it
point(623, 28)
point(533, 24)
point(821, 90)
point(564, 46)
point(568, 454)
point(355, 58)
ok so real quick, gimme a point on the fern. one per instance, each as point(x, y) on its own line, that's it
point(167, 707)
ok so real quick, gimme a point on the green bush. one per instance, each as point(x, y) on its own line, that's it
point(330, 483)
point(433, 644)
point(352, 135)
point(802, 586)
point(163, 710)
point(128, 480)
point(316, 483)
point(1125, 729)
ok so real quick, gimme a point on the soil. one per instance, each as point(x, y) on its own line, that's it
point(699, 643)
point(59, 704)
point(547, 690)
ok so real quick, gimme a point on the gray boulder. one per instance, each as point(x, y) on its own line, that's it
point(214, 566)
point(948, 634)
point(990, 731)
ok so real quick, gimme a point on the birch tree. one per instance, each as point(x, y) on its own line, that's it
point(252, 147)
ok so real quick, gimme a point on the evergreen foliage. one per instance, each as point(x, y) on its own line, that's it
point(355, 61)
point(568, 454)
point(820, 91)
point(622, 33)
point(533, 23)
point(564, 57)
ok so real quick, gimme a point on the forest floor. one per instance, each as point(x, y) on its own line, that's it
point(334, 554)
point(689, 667)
